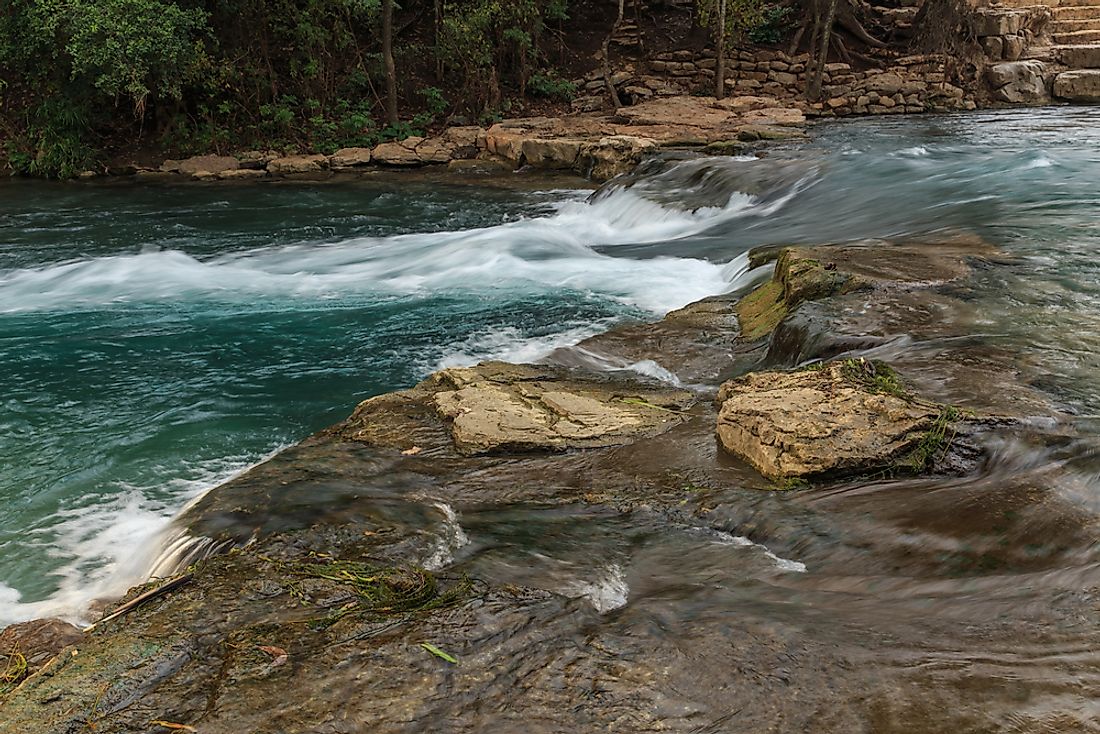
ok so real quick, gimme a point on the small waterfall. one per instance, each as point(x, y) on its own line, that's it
point(182, 550)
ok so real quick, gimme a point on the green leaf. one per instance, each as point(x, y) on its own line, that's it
point(439, 653)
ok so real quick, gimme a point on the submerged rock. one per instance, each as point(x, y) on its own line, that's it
point(841, 418)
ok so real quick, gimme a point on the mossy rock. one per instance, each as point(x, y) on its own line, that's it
point(797, 278)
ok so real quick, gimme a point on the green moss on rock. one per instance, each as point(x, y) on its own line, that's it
point(797, 278)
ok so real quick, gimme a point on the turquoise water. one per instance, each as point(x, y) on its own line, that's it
point(156, 340)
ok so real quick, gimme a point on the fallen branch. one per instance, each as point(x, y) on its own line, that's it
point(137, 601)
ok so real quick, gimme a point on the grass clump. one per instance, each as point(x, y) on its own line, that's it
point(936, 441)
point(13, 670)
point(790, 484)
point(875, 376)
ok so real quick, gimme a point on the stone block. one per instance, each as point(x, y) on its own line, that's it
point(1082, 85)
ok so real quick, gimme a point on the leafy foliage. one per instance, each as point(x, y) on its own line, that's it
point(551, 86)
point(133, 47)
point(742, 16)
point(215, 75)
point(774, 24)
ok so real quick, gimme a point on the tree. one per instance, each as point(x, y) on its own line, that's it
point(824, 28)
point(730, 21)
point(387, 59)
point(720, 64)
point(614, 95)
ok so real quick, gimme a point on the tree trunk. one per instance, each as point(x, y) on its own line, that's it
point(614, 95)
point(814, 90)
point(387, 58)
point(720, 62)
point(438, 41)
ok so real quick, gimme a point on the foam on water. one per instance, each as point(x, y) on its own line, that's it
point(555, 251)
point(509, 344)
point(450, 538)
point(607, 590)
point(107, 546)
point(783, 564)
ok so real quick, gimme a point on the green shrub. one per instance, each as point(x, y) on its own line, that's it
point(55, 143)
point(549, 85)
point(775, 23)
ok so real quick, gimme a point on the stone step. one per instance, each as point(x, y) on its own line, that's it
point(1046, 54)
point(1082, 85)
point(1069, 26)
point(1076, 12)
point(1079, 57)
point(1077, 38)
point(1028, 3)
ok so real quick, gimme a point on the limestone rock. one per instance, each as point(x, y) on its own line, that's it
point(295, 165)
point(497, 407)
point(1078, 86)
point(242, 174)
point(885, 83)
point(212, 164)
point(614, 154)
point(397, 154)
point(257, 158)
point(798, 277)
point(782, 116)
point(589, 103)
point(350, 158)
point(1014, 47)
point(997, 22)
point(478, 166)
point(435, 150)
point(559, 153)
point(826, 421)
point(752, 133)
point(1080, 57)
point(465, 141)
point(682, 111)
point(1019, 82)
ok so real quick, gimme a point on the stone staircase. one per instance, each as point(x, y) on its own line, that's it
point(1075, 35)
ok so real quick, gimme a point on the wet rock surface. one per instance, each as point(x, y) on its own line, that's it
point(642, 578)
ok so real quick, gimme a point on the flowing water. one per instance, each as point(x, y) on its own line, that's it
point(156, 341)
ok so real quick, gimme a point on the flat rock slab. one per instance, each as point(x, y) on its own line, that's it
point(499, 408)
point(828, 421)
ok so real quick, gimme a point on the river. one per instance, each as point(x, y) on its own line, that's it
point(157, 340)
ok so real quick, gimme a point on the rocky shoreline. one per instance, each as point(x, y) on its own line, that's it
point(342, 566)
point(597, 146)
